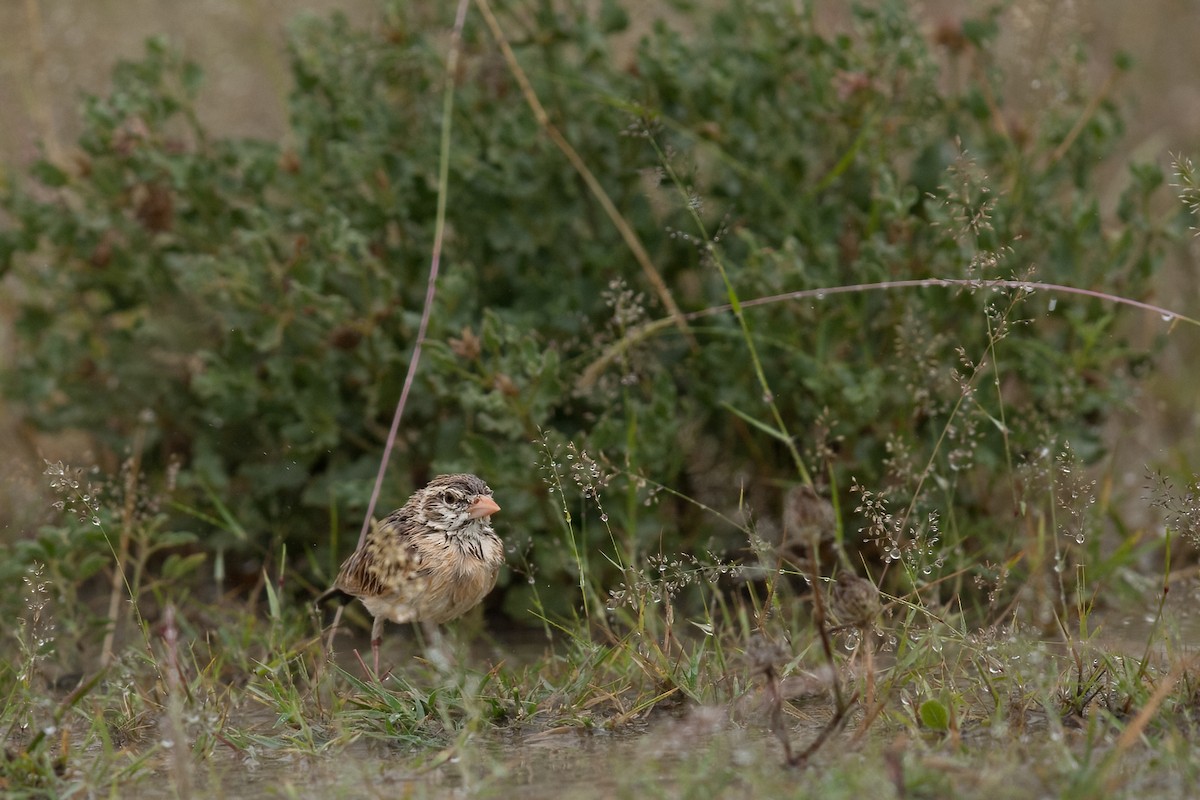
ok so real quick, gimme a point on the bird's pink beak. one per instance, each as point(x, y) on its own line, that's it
point(482, 506)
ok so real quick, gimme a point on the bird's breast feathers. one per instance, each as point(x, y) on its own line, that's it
point(434, 577)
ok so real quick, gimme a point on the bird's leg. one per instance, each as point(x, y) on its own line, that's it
point(376, 640)
point(437, 649)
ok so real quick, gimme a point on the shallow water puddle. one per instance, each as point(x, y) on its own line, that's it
point(654, 759)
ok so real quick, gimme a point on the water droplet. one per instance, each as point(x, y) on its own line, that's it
point(1053, 304)
point(1168, 317)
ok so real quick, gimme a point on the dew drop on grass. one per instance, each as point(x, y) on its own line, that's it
point(1080, 538)
point(1168, 317)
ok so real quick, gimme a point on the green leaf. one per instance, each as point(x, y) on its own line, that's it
point(612, 18)
point(175, 538)
point(762, 426)
point(49, 174)
point(272, 597)
point(177, 566)
point(935, 716)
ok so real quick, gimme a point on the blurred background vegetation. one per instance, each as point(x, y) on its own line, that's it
point(214, 264)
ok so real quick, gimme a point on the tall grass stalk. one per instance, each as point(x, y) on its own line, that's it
point(172, 673)
point(579, 554)
point(640, 333)
point(710, 249)
point(628, 235)
point(119, 580)
point(439, 234)
point(966, 392)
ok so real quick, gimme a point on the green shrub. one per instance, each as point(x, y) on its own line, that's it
point(261, 299)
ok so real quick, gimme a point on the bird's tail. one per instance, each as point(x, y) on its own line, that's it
point(331, 595)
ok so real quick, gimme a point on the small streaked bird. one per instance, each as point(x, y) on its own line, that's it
point(855, 601)
point(809, 523)
point(857, 605)
point(430, 561)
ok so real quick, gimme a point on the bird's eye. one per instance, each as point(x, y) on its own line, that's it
point(448, 498)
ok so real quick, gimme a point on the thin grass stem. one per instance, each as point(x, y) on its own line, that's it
point(630, 237)
point(439, 235)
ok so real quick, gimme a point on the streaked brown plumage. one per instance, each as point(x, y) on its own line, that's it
point(430, 561)
point(855, 601)
point(809, 523)
point(808, 517)
point(856, 604)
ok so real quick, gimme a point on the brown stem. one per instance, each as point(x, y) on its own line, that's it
point(543, 119)
point(39, 104)
point(120, 582)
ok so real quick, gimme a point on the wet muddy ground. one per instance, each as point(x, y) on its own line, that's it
point(689, 750)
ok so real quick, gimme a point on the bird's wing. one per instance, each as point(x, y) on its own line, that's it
point(386, 560)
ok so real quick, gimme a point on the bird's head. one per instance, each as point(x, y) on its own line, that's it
point(457, 503)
